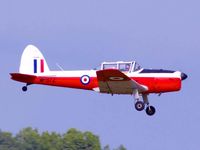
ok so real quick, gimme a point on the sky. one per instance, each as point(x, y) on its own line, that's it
point(80, 34)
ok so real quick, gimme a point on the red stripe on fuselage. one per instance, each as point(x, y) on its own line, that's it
point(155, 85)
point(70, 82)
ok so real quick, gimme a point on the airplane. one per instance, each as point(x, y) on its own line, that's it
point(119, 77)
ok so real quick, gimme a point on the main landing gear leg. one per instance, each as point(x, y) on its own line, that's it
point(139, 105)
point(25, 88)
point(150, 110)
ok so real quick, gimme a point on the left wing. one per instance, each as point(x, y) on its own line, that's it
point(115, 82)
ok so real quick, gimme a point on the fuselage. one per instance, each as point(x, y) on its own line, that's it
point(157, 81)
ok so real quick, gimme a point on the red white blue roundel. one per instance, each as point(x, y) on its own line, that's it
point(85, 79)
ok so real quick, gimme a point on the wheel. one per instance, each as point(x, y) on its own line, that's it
point(24, 88)
point(150, 110)
point(139, 106)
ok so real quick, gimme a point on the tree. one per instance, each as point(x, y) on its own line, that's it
point(92, 141)
point(121, 147)
point(51, 141)
point(76, 140)
point(29, 139)
point(7, 142)
point(107, 147)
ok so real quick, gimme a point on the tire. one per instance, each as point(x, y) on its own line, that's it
point(24, 88)
point(139, 106)
point(150, 110)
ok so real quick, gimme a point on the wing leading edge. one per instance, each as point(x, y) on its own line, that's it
point(115, 82)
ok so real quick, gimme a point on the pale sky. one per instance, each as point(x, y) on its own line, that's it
point(80, 34)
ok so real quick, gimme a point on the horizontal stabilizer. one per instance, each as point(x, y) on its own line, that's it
point(23, 77)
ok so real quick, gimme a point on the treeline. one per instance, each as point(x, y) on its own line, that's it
point(31, 139)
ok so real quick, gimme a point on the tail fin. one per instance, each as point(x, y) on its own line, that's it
point(33, 62)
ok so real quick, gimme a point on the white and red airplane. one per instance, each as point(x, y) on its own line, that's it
point(112, 78)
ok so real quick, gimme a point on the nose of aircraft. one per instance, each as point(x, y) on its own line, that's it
point(183, 76)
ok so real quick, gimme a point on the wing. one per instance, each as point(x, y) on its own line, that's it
point(115, 82)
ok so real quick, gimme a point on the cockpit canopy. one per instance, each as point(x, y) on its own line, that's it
point(122, 66)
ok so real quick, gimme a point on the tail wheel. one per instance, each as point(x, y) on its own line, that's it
point(24, 88)
point(139, 106)
point(150, 110)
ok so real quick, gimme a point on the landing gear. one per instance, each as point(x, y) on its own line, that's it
point(25, 88)
point(150, 110)
point(140, 105)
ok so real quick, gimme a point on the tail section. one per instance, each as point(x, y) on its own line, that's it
point(33, 62)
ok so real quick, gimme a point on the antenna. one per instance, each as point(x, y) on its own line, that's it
point(59, 67)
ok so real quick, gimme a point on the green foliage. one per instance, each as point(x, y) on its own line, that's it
point(7, 142)
point(31, 139)
point(76, 140)
point(107, 147)
point(51, 141)
point(121, 147)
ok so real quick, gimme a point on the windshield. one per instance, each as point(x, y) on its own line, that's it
point(137, 67)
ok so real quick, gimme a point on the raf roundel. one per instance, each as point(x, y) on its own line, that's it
point(85, 79)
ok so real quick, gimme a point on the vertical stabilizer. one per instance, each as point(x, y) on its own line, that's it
point(33, 62)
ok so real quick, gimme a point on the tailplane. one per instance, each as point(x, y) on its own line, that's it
point(33, 62)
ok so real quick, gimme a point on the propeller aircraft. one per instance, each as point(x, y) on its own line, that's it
point(119, 77)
